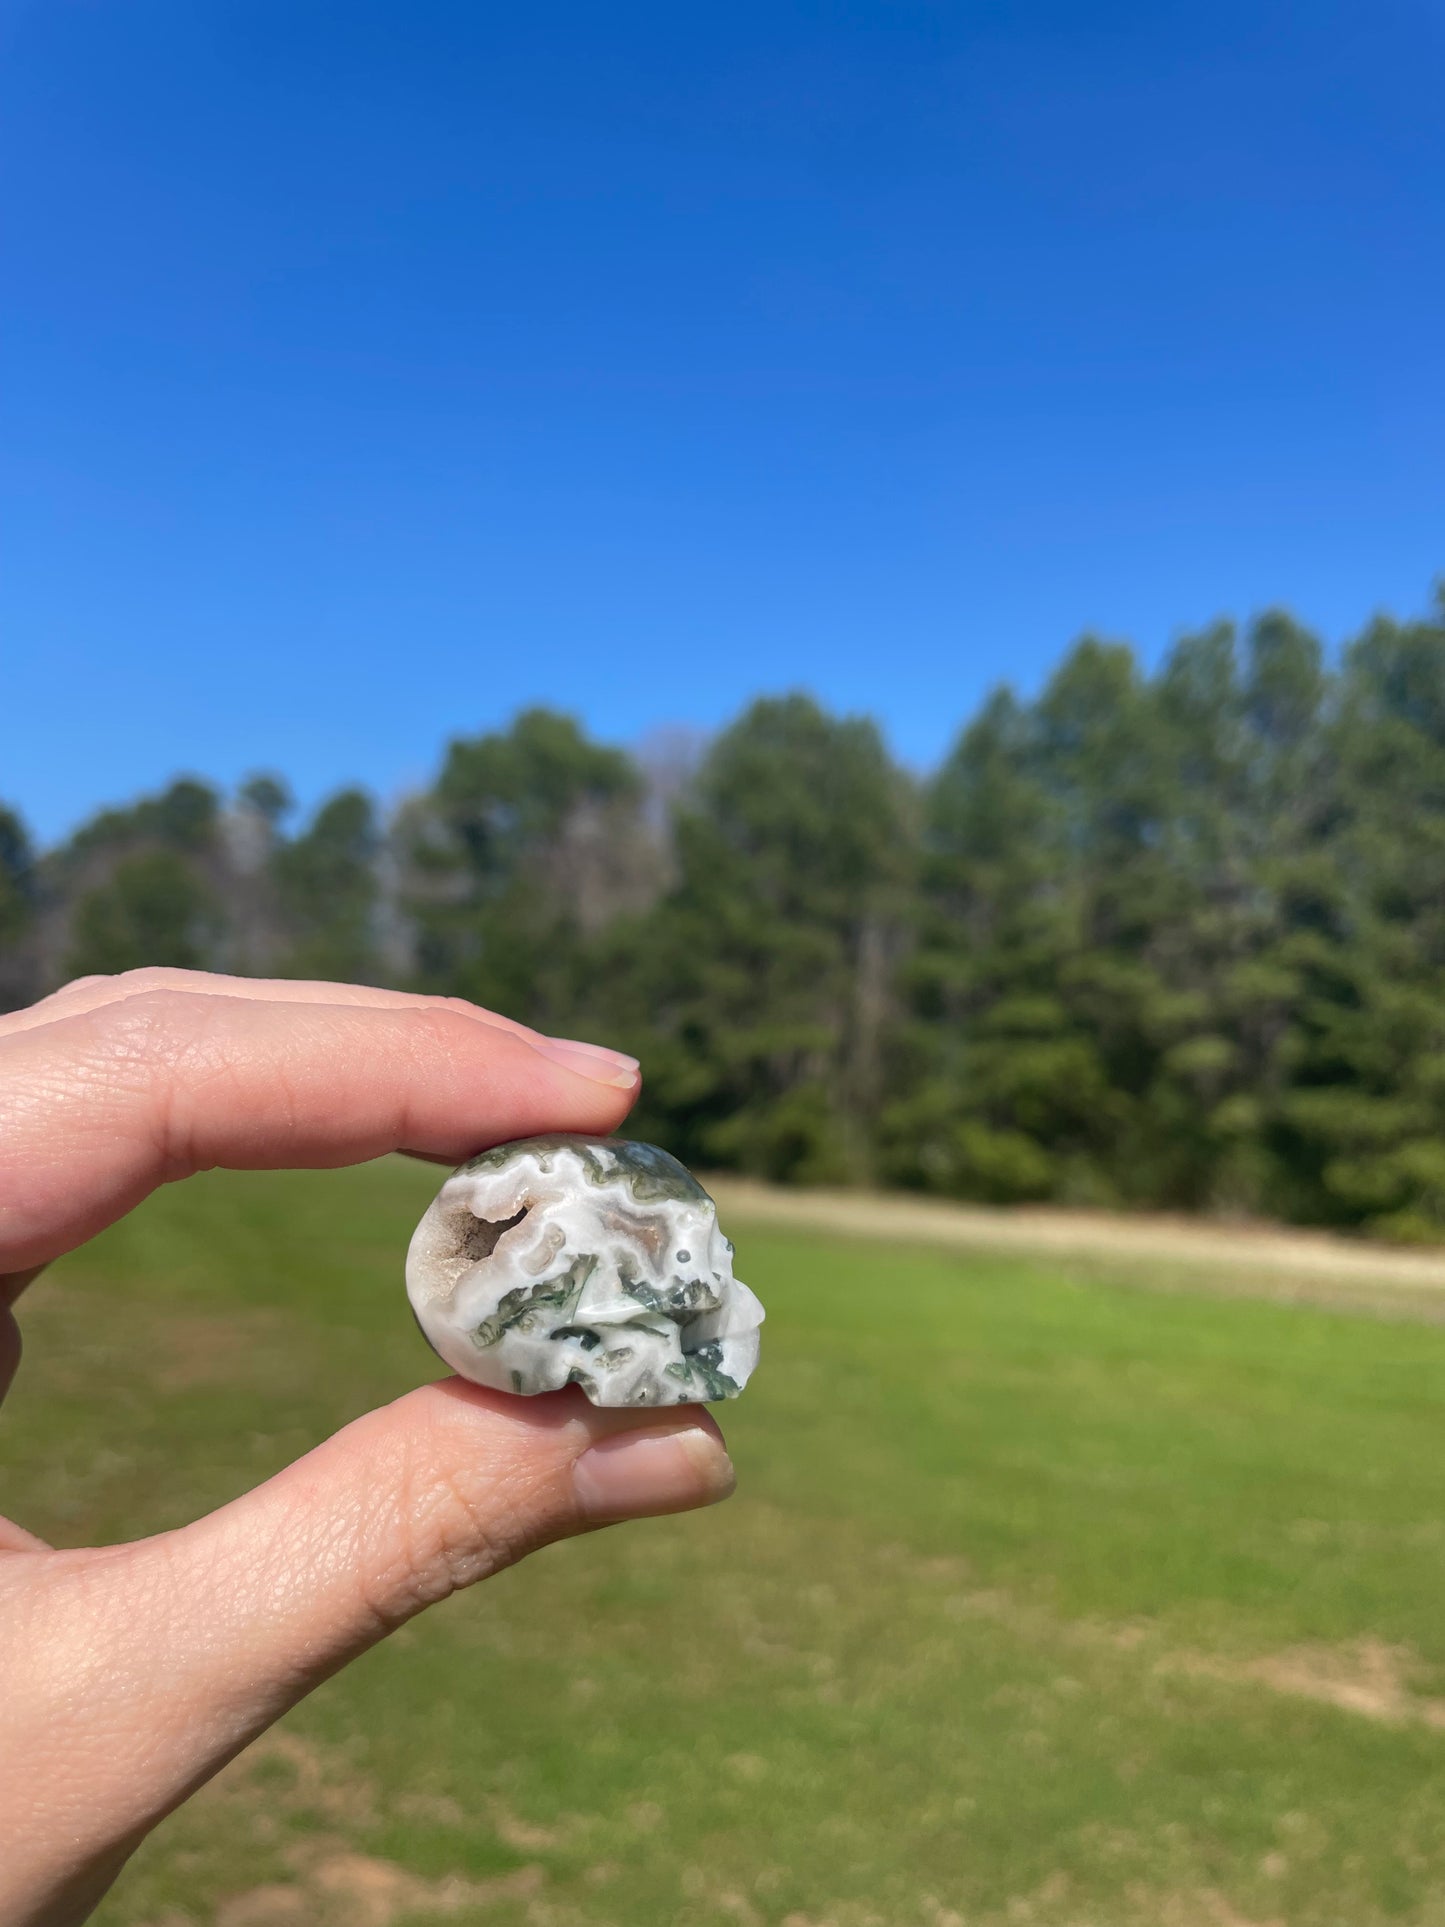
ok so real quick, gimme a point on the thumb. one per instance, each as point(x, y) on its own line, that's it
point(404, 1506)
point(175, 1651)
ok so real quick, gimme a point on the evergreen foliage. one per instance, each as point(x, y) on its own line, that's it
point(1171, 940)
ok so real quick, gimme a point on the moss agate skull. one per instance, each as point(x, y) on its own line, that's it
point(583, 1261)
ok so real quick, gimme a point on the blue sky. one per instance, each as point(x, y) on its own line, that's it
point(370, 370)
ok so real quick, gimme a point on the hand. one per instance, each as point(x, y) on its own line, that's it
point(129, 1674)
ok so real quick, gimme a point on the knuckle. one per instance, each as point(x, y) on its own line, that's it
point(156, 1048)
point(148, 1033)
point(149, 1008)
point(145, 977)
point(81, 983)
point(447, 1526)
point(436, 1029)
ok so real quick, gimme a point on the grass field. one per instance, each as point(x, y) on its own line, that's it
point(1043, 1599)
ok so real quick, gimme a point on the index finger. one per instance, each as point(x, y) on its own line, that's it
point(90, 993)
point(99, 1107)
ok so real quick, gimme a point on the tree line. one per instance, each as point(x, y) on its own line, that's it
point(1168, 940)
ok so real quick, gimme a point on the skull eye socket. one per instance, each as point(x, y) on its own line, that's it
point(482, 1236)
point(588, 1340)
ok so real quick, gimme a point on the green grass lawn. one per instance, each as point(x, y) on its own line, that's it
point(1043, 1599)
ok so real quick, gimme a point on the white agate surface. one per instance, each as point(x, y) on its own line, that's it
point(583, 1261)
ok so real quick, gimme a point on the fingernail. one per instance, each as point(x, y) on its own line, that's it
point(637, 1475)
point(591, 1060)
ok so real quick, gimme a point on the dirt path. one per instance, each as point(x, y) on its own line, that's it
point(1304, 1256)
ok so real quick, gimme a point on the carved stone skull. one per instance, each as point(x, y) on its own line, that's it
point(583, 1261)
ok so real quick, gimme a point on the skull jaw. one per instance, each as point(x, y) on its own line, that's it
point(624, 1367)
